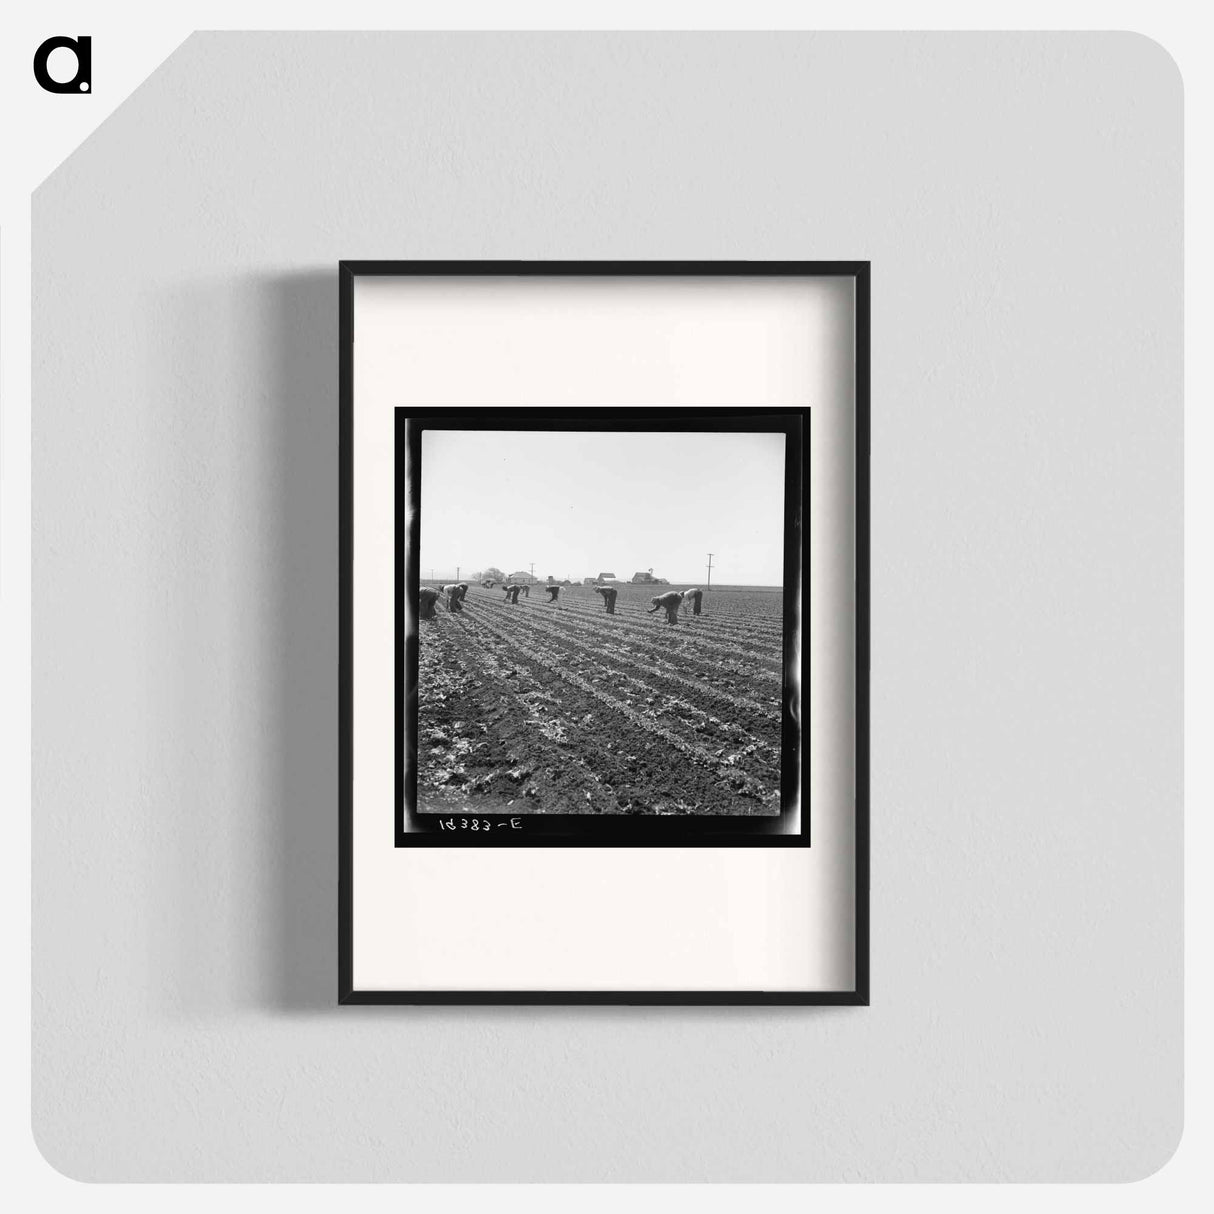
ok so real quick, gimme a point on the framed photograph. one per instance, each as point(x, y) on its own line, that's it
point(604, 632)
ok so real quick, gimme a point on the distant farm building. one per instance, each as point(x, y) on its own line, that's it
point(645, 577)
point(605, 577)
point(523, 578)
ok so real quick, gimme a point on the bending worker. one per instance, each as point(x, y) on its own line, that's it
point(670, 600)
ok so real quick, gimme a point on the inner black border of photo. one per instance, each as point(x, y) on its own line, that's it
point(593, 830)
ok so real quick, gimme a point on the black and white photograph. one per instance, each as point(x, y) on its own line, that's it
point(601, 618)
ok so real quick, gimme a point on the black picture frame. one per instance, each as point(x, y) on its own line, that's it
point(348, 273)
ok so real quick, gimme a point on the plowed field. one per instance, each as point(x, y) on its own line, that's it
point(559, 707)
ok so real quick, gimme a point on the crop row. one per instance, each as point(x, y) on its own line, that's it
point(654, 666)
point(497, 728)
point(716, 612)
point(670, 695)
point(658, 639)
point(743, 742)
point(495, 724)
point(489, 729)
point(645, 721)
point(692, 630)
point(663, 651)
point(712, 620)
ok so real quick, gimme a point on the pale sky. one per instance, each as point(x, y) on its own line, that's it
point(581, 504)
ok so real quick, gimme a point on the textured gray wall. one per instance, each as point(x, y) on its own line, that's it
point(1020, 198)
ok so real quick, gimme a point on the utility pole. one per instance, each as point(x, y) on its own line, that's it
point(708, 584)
point(457, 573)
point(533, 571)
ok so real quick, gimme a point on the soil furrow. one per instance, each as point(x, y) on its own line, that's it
point(662, 668)
point(641, 760)
point(747, 742)
point(663, 647)
point(560, 708)
point(697, 634)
